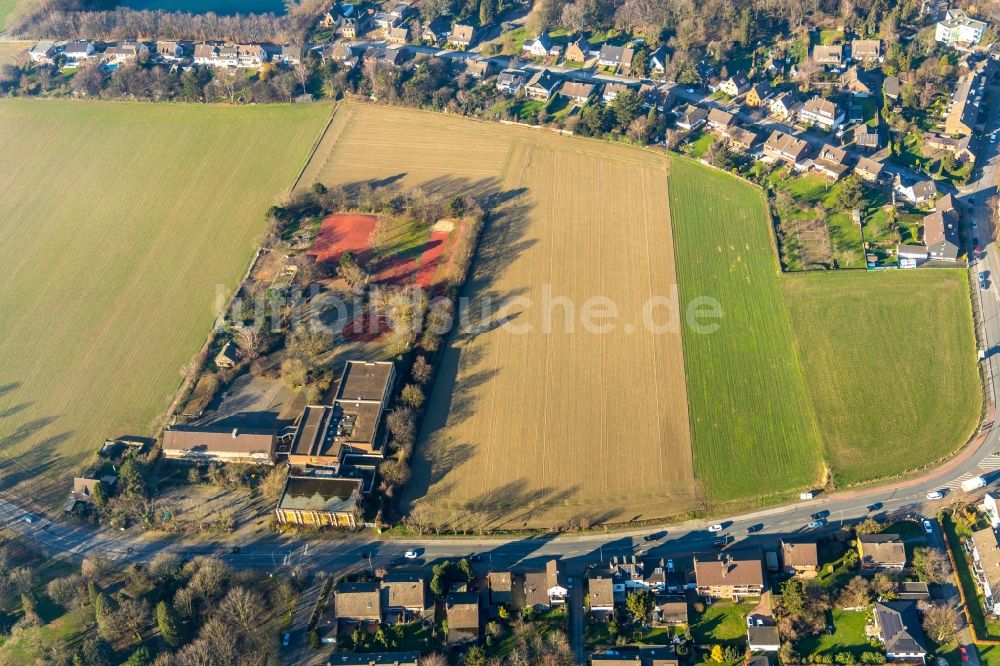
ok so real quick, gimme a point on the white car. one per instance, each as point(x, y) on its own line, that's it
point(935, 495)
point(670, 566)
point(715, 528)
point(29, 519)
point(927, 527)
point(410, 555)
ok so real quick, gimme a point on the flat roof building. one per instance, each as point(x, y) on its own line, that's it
point(196, 444)
point(320, 501)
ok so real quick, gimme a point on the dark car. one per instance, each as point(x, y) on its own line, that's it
point(235, 550)
point(720, 542)
point(875, 507)
point(476, 558)
point(820, 515)
point(755, 528)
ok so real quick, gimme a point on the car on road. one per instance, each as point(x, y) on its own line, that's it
point(819, 515)
point(411, 554)
point(927, 526)
point(715, 528)
point(875, 507)
point(286, 639)
point(690, 91)
point(29, 519)
point(963, 653)
point(670, 566)
point(935, 495)
point(817, 523)
point(475, 557)
point(974, 224)
point(993, 138)
point(720, 542)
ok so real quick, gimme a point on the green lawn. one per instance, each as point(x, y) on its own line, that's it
point(722, 623)
point(848, 636)
point(746, 392)
point(6, 9)
point(527, 110)
point(699, 145)
point(889, 361)
point(120, 225)
point(830, 37)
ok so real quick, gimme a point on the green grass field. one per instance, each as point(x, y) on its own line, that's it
point(750, 414)
point(119, 224)
point(6, 9)
point(889, 361)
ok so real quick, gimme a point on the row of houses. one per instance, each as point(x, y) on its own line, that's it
point(859, 50)
point(212, 54)
point(334, 448)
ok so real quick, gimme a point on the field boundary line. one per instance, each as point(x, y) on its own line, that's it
point(315, 147)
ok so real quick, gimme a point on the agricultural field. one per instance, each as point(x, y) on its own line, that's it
point(868, 344)
point(9, 50)
point(527, 427)
point(750, 414)
point(120, 227)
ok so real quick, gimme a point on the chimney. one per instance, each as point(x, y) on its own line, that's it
point(236, 432)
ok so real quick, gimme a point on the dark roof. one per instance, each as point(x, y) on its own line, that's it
point(899, 626)
point(374, 659)
point(602, 592)
point(314, 493)
point(365, 380)
point(763, 635)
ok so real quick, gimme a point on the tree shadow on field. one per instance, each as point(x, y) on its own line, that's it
point(511, 505)
point(8, 387)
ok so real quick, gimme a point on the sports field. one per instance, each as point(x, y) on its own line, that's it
point(890, 366)
point(117, 223)
point(556, 424)
point(752, 426)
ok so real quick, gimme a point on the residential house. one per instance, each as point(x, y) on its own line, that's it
point(79, 49)
point(611, 90)
point(510, 81)
point(545, 589)
point(477, 68)
point(735, 85)
point(228, 356)
point(880, 552)
point(915, 192)
point(991, 510)
point(618, 58)
point(542, 85)
point(730, 575)
point(208, 444)
point(986, 567)
point(602, 596)
point(340, 53)
point(125, 52)
point(578, 50)
point(463, 617)
point(669, 610)
point(462, 35)
point(211, 55)
point(321, 501)
point(898, 627)
point(325, 434)
point(398, 34)
point(691, 117)
point(250, 55)
point(741, 140)
point(84, 489)
point(358, 603)
point(763, 638)
point(821, 112)
point(783, 105)
point(786, 148)
point(831, 162)
point(537, 47)
point(169, 50)
point(659, 97)
point(959, 30)
point(719, 119)
point(960, 147)
point(658, 656)
point(758, 94)
point(866, 50)
point(401, 10)
point(500, 584)
point(866, 137)
point(868, 169)
point(912, 591)
point(353, 27)
point(829, 55)
point(910, 256)
point(941, 230)
point(965, 106)
point(375, 659)
point(42, 51)
point(856, 82)
point(800, 558)
point(404, 596)
point(436, 31)
point(578, 93)
point(892, 88)
point(657, 62)
point(384, 20)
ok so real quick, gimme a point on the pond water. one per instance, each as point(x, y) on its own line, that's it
point(217, 6)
